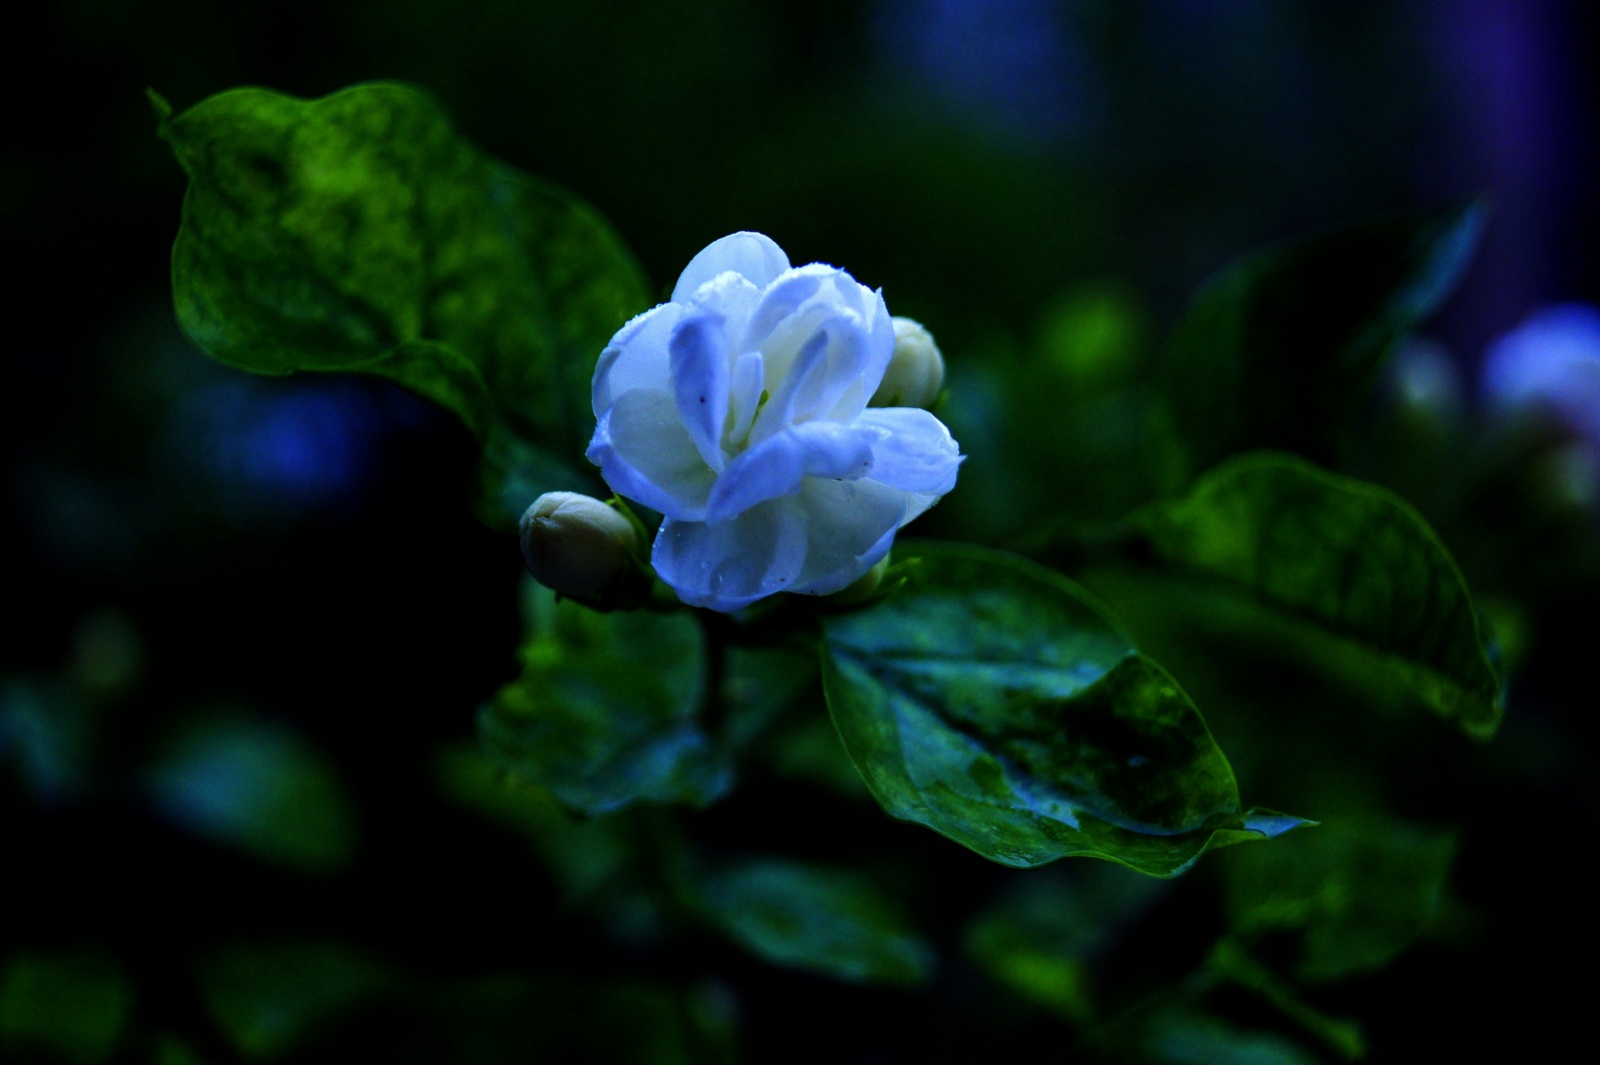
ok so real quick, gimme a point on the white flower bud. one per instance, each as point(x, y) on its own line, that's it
point(916, 370)
point(576, 544)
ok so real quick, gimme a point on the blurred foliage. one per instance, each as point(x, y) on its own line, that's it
point(246, 816)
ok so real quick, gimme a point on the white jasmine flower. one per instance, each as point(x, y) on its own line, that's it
point(739, 411)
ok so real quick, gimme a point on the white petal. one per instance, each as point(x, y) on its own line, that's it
point(783, 298)
point(636, 357)
point(744, 396)
point(645, 453)
point(700, 373)
point(850, 526)
point(777, 466)
point(730, 564)
point(752, 255)
point(914, 451)
point(825, 367)
point(877, 350)
point(731, 295)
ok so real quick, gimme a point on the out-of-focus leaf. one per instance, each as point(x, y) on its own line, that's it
point(1353, 895)
point(585, 855)
point(999, 704)
point(269, 998)
point(1342, 563)
point(566, 1017)
point(360, 232)
point(826, 921)
point(1041, 938)
point(70, 1005)
point(1189, 1037)
point(46, 731)
point(259, 787)
point(1277, 350)
point(606, 711)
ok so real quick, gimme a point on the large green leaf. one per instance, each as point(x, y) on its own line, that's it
point(1345, 565)
point(827, 921)
point(360, 232)
point(997, 703)
point(606, 711)
point(1277, 349)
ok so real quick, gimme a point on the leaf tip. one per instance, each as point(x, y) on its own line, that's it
point(162, 109)
point(1270, 824)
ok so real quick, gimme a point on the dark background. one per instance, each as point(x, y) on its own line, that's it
point(185, 545)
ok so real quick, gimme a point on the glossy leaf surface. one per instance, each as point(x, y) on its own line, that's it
point(999, 704)
point(1277, 349)
point(360, 232)
point(605, 713)
point(1360, 572)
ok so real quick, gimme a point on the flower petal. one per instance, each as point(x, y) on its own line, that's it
point(645, 453)
point(777, 466)
point(752, 255)
point(700, 373)
point(636, 356)
point(730, 564)
point(913, 451)
point(850, 526)
point(732, 296)
point(877, 350)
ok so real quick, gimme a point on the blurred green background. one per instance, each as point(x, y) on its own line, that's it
point(249, 620)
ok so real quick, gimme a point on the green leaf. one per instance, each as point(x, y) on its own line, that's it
point(1277, 350)
point(71, 1004)
point(269, 998)
point(259, 787)
point(360, 232)
point(997, 703)
point(606, 711)
point(1044, 935)
point(826, 921)
point(1352, 895)
point(1179, 1036)
point(1346, 566)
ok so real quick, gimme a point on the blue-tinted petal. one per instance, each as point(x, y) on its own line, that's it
point(850, 525)
point(645, 453)
point(730, 564)
point(751, 255)
point(777, 466)
point(913, 452)
point(700, 373)
point(636, 357)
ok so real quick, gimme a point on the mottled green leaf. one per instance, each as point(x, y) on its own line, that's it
point(360, 232)
point(1279, 348)
point(826, 921)
point(1340, 562)
point(997, 703)
point(1351, 896)
point(606, 711)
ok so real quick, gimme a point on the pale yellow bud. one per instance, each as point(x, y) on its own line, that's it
point(916, 371)
point(576, 544)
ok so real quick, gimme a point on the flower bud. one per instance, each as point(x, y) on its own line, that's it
point(576, 544)
point(916, 370)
